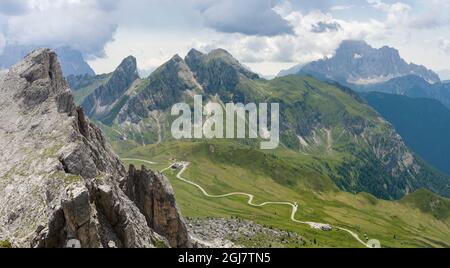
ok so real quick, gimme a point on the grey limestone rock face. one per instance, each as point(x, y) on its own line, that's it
point(102, 100)
point(155, 198)
point(356, 62)
point(59, 178)
point(178, 80)
point(171, 83)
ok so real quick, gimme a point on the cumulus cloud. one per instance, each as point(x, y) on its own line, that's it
point(397, 13)
point(316, 34)
point(85, 25)
point(250, 17)
point(400, 15)
point(255, 31)
point(444, 45)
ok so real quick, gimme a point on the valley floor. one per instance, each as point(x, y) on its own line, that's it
point(182, 166)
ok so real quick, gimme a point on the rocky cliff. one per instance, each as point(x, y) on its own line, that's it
point(171, 83)
point(218, 71)
point(179, 79)
point(103, 99)
point(60, 182)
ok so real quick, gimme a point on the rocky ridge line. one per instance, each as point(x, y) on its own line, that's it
point(60, 182)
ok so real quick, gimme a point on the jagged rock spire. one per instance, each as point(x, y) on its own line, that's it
point(44, 81)
point(107, 94)
point(60, 182)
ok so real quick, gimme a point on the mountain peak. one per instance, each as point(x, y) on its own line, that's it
point(356, 62)
point(223, 55)
point(103, 98)
point(219, 61)
point(176, 58)
point(128, 66)
point(40, 64)
point(220, 52)
point(170, 67)
point(44, 81)
point(129, 60)
point(194, 53)
point(361, 46)
point(73, 187)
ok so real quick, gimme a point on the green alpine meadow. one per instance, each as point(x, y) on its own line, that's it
point(339, 159)
point(238, 125)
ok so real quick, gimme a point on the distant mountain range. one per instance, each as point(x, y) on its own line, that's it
point(356, 62)
point(293, 70)
point(424, 124)
point(412, 86)
point(72, 62)
point(417, 104)
point(318, 119)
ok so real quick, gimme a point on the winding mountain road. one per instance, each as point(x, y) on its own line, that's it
point(251, 197)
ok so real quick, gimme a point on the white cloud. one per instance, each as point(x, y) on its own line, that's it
point(444, 45)
point(309, 44)
point(341, 7)
point(81, 24)
point(266, 35)
point(249, 17)
point(400, 15)
point(2, 43)
point(306, 44)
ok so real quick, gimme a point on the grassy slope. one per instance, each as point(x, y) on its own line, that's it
point(286, 175)
point(222, 167)
point(429, 202)
point(424, 124)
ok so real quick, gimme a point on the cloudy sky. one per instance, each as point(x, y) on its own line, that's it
point(266, 35)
